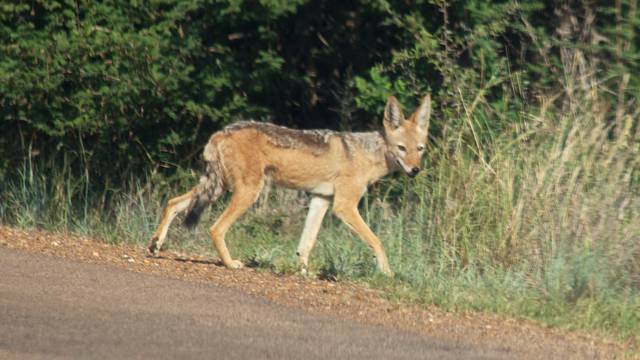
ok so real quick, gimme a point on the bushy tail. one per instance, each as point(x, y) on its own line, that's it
point(209, 189)
point(196, 207)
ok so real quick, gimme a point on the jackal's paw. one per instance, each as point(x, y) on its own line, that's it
point(305, 272)
point(388, 272)
point(303, 269)
point(385, 269)
point(152, 252)
point(152, 249)
point(235, 264)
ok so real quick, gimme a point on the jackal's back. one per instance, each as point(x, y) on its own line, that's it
point(286, 138)
point(317, 140)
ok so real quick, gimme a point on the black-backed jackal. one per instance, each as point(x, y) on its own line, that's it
point(329, 165)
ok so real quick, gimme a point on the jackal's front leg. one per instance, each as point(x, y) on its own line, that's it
point(317, 209)
point(173, 208)
point(346, 208)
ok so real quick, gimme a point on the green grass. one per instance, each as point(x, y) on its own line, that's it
point(540, 223)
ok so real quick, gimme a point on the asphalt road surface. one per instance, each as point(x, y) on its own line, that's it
point(52, 308)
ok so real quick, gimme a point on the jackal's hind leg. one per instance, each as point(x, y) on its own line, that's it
point(241, 200)
point(317, 209)
point(173, 208)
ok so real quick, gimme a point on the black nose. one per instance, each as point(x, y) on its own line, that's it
point(415, 171)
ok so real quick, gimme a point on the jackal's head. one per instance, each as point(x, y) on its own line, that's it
point(406, 139)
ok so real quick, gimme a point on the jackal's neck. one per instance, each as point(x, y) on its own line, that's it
point(375, 149)
point(370, 142)
point(382, 157)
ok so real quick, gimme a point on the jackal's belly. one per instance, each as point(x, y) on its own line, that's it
point(315, 182)
point(325, 189)
point(322, 188)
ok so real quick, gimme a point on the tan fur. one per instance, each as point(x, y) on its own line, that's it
point(330, 165)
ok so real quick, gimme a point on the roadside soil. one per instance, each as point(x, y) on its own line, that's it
point(344, 300)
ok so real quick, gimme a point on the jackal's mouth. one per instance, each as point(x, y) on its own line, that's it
point(401, 165)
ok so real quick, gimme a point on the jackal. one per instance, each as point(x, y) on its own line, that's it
point(329, 165)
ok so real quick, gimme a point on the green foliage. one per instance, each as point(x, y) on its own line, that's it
point(135, 87)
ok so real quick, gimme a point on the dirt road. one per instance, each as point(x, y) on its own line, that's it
point(93, 300)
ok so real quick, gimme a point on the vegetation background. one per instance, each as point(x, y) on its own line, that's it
point(529, 203)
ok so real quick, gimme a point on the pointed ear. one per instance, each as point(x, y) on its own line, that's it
point(423, 113)
point(393, 115)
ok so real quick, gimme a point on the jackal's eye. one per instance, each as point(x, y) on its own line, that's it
point(420, 147)
point(402, 148)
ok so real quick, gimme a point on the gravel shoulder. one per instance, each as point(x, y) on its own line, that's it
point(478, 335)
